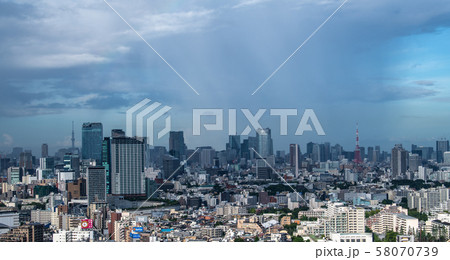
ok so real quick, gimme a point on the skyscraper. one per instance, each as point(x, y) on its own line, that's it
point(414, 162)
point(264, 142)
point(15, 175)
point(207, 157)
point(26, 160)
point(398, 160)
point(315, 154)
point(263, 171)
point(92, 138)
point(170, 165)
point(442, 146)
point(294, 154)
point(44, 150)
point(177, 148)
point(127, 166)
point(370, 154)
point(234, 142)
point(72, 164)
point(106, 162)
point(96, 184)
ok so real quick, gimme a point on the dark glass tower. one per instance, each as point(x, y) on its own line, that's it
point(92, 138)
point(106, 162)
point(177, 148)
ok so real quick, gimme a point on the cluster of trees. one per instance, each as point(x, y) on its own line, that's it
point(419, 215)
point(368, 214)
point(436, 236)
point(299, 239)
point(290, 228)
point(38, 205)
point(282, 211)
point(43, 191)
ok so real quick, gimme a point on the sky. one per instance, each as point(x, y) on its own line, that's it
point(382, 64)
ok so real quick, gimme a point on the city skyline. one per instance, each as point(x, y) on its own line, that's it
point(223, 143)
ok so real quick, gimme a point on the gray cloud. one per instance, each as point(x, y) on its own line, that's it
point(425, 82)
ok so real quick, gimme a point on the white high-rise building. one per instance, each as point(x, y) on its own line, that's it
point(427, 200)
point(446, 157)
point(127, 166)
point(343, 219)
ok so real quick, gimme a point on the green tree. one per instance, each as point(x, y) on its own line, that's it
point(256, 239)
point(291, 228)
point(387, 202)
point(368, 214)
point(391, 236)
point(419, 215)
point(239, 239)
point(297, 239)
point(376, 238)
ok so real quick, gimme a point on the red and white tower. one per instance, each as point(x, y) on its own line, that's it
point(357, 150)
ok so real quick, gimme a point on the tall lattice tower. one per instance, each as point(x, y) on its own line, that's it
point(357, 150)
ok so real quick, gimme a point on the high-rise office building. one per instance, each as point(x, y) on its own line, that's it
point(447, 158)
point(234, 143)
point(15, 175)
point(72, 164)
point(127, 166)
point(96, 184)
point(378, 154)
point(263, 170)
point(295, 157)
point(26, 160)
point(44, 150)
point(425, 152)
point(414, 162)
point(247, 147)
point(442, 146)
point(207, 156)
point(294, 154)
point(92, 138)
point(370, 154)
point(171, 167)
point(156, 154)
point(106, 162)
point(398, 161)
point(336, 151)
point(315, 155)
point(264, 142)
point(46, 168)
point(177, 147)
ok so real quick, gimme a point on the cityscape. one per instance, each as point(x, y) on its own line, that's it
point(301, 128)
point(118, 188)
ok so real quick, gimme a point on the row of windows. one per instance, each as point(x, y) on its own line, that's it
point(353, 240)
